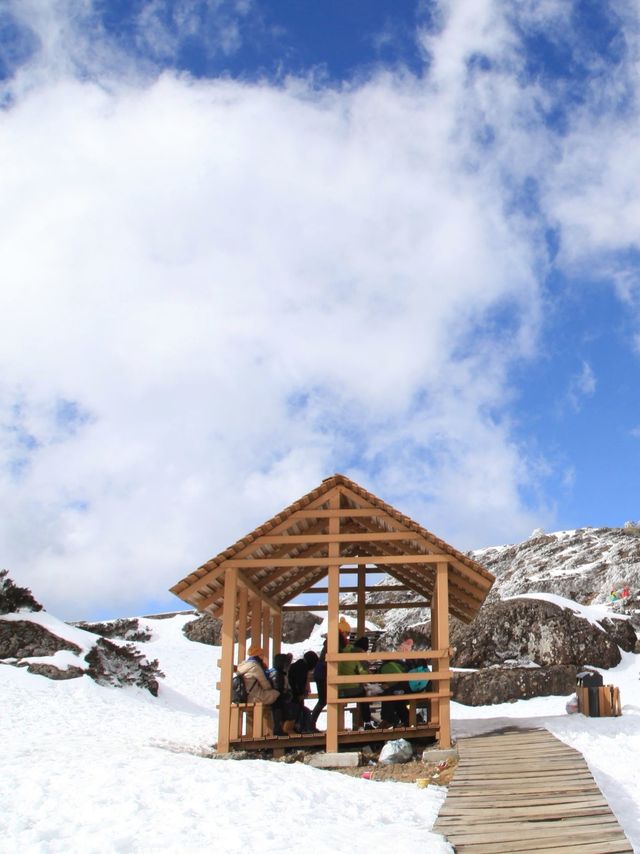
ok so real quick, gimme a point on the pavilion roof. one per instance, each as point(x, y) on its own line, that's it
point(282, 558)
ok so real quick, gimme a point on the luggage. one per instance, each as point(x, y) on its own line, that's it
point(589, 679)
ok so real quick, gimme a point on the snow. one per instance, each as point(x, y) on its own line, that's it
point(88, 768)
point(592, 613)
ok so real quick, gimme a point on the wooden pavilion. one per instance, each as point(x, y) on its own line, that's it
point(336, 529)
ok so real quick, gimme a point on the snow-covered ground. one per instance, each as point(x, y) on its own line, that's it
point(97, 769)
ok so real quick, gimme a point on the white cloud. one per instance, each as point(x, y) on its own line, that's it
point(243, 288)
point(583, 385)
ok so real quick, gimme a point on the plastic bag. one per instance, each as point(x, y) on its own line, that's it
point(396, 751)
point(572, 705)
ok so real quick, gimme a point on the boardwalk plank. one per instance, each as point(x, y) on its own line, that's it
point(526, 791)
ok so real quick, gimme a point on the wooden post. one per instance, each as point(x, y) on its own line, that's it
point(332, 632)
point(226, 669)
point(442, 641)
point(277, 633)
point(243, 609)
point(362, 584)
point(256, 621)
point(266, 633)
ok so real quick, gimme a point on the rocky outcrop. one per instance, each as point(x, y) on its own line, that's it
point(127, 628)
point(14, 598)
point(24, 639)
point(508, 684)
point(531, 630)
point(204, 629)
point(110, 664)
point(296, 627)
point(51, 672)
point(584, 565)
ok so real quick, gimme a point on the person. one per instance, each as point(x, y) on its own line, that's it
point(356, 668)
point(254, 673)
point(299, 675)
point(418, 684)
point(282, 709)
point(320, 671)
point(320, 678)
point(395, 713)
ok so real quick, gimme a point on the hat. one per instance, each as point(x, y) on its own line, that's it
point(343, 626)
point(256, 649)
point(362, 643)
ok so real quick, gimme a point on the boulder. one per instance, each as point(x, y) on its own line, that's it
point(298, 625)
point(622, 632)
point(531, 630)
point(507, 684)
point(204, 629)
point(24, 639)
point(52, 672)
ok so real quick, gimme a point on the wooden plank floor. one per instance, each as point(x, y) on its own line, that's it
point(345, 737)
point(524, 790)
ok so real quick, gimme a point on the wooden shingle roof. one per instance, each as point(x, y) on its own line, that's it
point(283, 557)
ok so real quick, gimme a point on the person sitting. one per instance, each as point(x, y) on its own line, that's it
point(395, 713)
point(299, 677)
point(283, 709)
point(356, 668)
point(254, 673)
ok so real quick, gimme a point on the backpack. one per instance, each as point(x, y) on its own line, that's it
point(418, 685)
point(238, 689)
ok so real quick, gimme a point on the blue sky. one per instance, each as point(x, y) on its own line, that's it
point(249, 244)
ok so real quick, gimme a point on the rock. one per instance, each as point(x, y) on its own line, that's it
point(204, 629)
point(24, 639)
point(507, 684)
point(52, 672)
point(14, 598)
point(584, 565)
point(298, 625)
point(124, 628)
point(110, 664)
point(419, 633)
point(622, 632)
point(531, 630)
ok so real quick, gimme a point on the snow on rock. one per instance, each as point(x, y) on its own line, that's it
point(584, 565)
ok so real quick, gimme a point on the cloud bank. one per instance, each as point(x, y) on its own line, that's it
point(216, 293)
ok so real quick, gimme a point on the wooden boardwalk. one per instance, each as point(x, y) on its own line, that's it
point(522, 791)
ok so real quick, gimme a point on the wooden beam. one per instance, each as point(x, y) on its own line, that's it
point(340, 513)
point(226, 669)
point(442, 640)
point(242, 578)
point(410, 655)
point(291, 539)
point(361, 602)
point(375, 588)
point(333, 715)
point(217, 570)
point(243, 610)
point(196, 586)
point(266, 632)
point(378, 560)
point(369, 606)
point(475, 576)
point(277, 633)
point(256, 621)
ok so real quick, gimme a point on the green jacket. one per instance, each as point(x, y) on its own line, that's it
point(351, 668)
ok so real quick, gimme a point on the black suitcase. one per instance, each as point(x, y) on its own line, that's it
point(589, 679)
point(594, 702)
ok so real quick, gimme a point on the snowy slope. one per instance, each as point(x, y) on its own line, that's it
point(87, 768)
